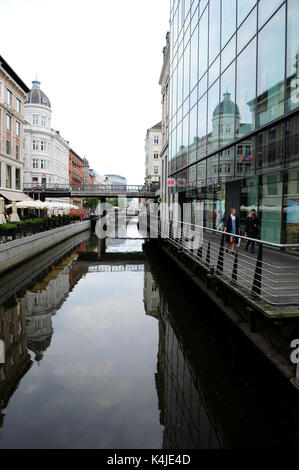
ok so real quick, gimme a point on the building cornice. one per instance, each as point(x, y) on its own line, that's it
point(27, 107)
point(11, 159)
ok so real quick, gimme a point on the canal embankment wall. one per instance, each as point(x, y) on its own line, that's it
point(271, 337)
point(16, 252)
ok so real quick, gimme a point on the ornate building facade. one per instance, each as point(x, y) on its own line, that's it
point(46, 152)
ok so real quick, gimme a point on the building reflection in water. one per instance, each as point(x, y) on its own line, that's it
point(26, 322)
point(183, 413)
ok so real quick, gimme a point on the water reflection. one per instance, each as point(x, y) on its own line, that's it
point(116, 353)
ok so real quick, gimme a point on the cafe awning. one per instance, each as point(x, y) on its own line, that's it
point(15, 196)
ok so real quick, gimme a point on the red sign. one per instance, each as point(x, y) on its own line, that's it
point(181, 182)
point(171, 182)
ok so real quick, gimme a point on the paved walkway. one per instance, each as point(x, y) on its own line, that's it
point(280, 270)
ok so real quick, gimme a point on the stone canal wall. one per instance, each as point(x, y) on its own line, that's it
point(18, 251)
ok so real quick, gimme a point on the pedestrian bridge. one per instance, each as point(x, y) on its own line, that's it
point(91, 191)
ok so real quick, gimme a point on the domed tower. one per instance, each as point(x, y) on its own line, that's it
point(38, 107)
point(224, 117)
point(227, 110)
point(37, 114)
point(46, 152)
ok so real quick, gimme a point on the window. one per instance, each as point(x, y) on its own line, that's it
point(8, 122)
point(34, 145)
point(8, 176)
point(35, 119)
point(43, 146)
point(18, 182)
point(156, 156)
point(8, 97)
point(44, 119)
point(7, 147)
point(42, 164)
point(156, 170)
point(17, 152)
point(18, 127)
point(34, 163)
point(18, 105)
point(156, 140)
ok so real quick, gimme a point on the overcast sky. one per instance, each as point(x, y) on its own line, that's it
point(99, 62)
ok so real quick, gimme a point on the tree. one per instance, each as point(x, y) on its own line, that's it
point(91, 203)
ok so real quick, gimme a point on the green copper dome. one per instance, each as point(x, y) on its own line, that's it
point(226, 107)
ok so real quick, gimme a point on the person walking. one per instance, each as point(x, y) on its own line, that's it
point(252, 230)
point(232, 226)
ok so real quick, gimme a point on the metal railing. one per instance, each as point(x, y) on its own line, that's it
point(93, 189)
point(271, 275)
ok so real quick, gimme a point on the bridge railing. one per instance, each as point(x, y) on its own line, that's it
point(93, 189)
point(270, 275)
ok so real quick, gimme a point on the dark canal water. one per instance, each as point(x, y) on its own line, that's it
point(120, 353)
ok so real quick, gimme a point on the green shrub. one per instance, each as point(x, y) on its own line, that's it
point(8, 226)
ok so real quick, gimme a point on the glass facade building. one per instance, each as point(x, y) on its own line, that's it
point(234, 112)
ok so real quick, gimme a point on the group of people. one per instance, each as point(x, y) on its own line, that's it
point(232, 227)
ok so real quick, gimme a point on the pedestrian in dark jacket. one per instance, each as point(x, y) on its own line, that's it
point(232, 226)
point(252, 230)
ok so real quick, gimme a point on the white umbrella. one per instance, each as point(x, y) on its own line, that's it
point(14, 215)
point(2, 216)
point(28, 205)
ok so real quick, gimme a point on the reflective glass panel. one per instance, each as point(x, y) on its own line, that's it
point(214, 71)
point(214, 34)
point(245, 158)
point(271, 69)
point(247, 31)
point(227, 106)
point(228, 20)
point(202, 127)
point(271, 207)
point(193, 135)
point(186, 72)
point(246, 90)
point(292, 208)
point(203, 41)
point(228, 54)
point(201, 174)
point(293, 55)
point(194, 59)
point(244, 7)
point(266, 9)
point(213, 117)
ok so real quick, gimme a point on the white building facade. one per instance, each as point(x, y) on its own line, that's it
point(115, 180)
point(46, 153)
point(153, 147)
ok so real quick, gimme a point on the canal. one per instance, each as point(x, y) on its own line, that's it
point(122, 353)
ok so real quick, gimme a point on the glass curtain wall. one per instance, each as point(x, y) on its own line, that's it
point(234, 80)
